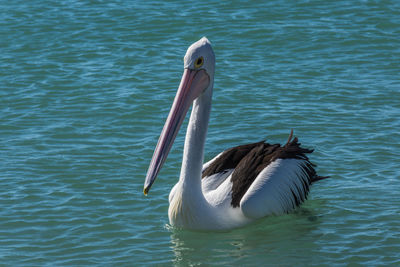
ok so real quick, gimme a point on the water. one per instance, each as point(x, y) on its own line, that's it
point(85, 89)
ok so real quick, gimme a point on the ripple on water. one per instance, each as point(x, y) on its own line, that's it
point(86, 90)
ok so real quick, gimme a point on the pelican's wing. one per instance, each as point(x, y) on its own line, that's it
point(217, 170)
point(212, 182)
point(208, 163)
point(279, 188)
point(272, 179)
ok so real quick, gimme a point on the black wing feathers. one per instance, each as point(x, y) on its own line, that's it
point(229, 159)
point(249, 160)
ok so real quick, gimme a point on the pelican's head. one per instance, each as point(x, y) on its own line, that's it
point(197, 78)
point(200, 55)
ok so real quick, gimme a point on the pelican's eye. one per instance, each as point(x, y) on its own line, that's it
point(199, 62)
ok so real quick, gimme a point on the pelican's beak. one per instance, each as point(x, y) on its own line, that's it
point(193, 83)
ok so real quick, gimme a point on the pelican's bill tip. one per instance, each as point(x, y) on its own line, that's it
point(145, 191)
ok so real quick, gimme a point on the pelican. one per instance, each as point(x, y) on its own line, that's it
point(239, 185)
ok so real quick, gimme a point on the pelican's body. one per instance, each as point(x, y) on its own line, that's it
point(239, 185)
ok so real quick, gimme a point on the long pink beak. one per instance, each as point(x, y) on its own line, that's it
point(193, 83)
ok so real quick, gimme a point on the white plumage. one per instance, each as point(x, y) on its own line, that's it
point(274, 192)
point(276, 181)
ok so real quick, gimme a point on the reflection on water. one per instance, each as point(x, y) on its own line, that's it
point(240, 246)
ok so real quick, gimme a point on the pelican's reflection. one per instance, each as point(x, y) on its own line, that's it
point(201, 247)
point(266, 239)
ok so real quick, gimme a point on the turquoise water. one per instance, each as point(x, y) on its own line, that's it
point(85, 87)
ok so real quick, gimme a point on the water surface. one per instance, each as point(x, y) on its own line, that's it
point(86, 87)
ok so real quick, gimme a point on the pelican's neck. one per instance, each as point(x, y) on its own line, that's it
point(188, 206)
point(192, 162)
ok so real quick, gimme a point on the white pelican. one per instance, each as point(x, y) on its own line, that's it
point(240, 184)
